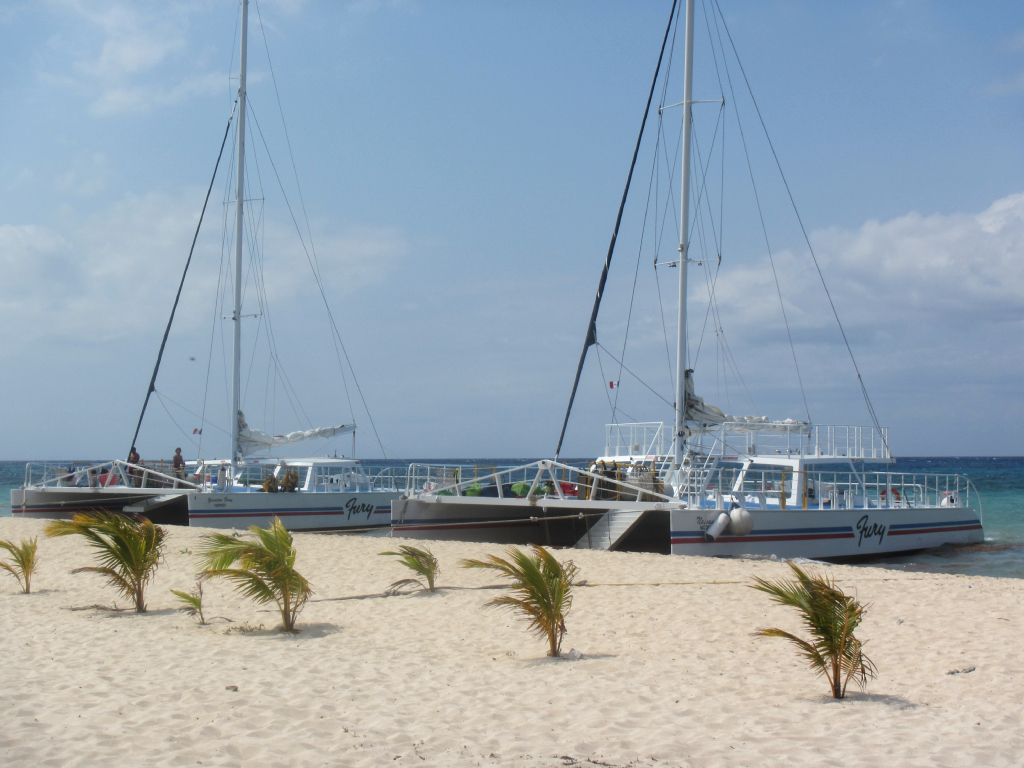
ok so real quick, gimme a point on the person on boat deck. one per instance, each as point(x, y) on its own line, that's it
point(133, 458)
point(179, 464)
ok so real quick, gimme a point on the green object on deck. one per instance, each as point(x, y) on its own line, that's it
point(521, 488)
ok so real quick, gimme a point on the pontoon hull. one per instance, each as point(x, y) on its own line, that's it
point(298, 511)
point(508, 521)
point(61, 503)
point(841, 533)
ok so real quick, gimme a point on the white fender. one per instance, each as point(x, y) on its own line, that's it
point(740, 522)
point(718, 527)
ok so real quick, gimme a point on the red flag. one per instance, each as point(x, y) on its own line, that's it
point(611, 385)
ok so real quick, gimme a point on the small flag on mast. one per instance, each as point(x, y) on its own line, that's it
point(197, 431)
point(611, 385)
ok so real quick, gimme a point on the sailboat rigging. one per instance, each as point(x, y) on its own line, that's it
point(711, 483)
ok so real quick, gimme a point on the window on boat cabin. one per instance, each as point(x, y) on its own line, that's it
point(303, 473)
point(255, 474)
point(333, 477)
point(768, 477)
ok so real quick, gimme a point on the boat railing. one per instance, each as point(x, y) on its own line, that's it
point(641, 439)
point(104, 475)
point(611, 481)
point(803, 489)
point(704, 487)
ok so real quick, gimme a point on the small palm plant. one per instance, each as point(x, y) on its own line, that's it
point(265, 568)
point(542, 590)
point(129, 550)
point(422, 561)
point(192, 602)
point(24, 562)
point(831, 618)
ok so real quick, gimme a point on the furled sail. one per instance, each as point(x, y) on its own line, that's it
point(709, 416)
point(697, 410)
point(252, 440)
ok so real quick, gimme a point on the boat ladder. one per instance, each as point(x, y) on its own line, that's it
point(610, 529)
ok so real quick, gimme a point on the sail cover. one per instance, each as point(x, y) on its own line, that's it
point(697, 410)
point(252, 440)
point(709, 416)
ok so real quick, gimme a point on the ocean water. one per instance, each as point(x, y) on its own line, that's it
point(999, 480)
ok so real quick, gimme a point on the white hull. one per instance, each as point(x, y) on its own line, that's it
point(61, 503)
point(817, 534)
point(814, 533)
point(298, 511)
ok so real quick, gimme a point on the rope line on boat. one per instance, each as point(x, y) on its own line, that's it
point(314, 262)
point(591, 337)
point(803, 229)
point(635, 376)
point(764, 228)
point(181, 284)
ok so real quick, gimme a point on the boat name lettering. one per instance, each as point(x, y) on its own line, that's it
point(703, 523)
point(355, 508)
point(865, 530)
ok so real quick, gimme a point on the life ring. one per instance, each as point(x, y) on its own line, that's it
point(895, 494)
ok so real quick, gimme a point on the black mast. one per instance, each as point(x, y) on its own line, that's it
point(592, 327)
point(167, 331)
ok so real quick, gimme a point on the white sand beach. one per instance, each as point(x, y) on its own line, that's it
point(670, 674)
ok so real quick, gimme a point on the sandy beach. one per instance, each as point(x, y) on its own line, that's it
point(670, 674)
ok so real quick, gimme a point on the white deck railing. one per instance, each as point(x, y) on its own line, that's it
point(749, 438)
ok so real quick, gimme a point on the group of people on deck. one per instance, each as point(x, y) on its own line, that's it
point(177, 463)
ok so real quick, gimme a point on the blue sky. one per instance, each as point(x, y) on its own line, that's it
point(461, 165)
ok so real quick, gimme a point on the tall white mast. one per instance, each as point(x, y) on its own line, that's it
point(236, 314)
point(679, 439)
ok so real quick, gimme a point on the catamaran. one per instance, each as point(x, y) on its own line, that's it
point(322, 493)
point(706, 483)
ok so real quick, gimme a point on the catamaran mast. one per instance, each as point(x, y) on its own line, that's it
point(679, 440)
point(236, 313)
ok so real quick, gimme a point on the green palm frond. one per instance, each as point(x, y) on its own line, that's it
point(192, 602)
point(422, 561)
point(24, 561)
point(542, 590)
point(830, 617)
point(262, 568)
point(129, 550)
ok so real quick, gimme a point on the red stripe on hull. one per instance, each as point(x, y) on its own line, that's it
point(740, 539)
point(935, 530)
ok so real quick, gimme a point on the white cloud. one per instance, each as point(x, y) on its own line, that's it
point(114, 277)
point(128, 68)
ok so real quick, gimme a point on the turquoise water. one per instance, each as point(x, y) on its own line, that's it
point(999, 480)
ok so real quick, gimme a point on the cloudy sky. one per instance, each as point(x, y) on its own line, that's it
point(461, 165)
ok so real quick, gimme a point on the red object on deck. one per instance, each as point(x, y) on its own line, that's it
point(569, 489)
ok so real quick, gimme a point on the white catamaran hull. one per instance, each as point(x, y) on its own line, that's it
point(817, 534)
point(298, 511)
point(60, 503)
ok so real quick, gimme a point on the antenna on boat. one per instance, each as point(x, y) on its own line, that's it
point(236, 312)
point(679, 437)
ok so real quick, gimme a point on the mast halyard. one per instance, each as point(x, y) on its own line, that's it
point(236, 313)
point(679, 436)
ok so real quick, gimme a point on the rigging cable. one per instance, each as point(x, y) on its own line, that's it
point(315, 261)
point(174, 307)
point(591, 337)
point(760, 213)
point(814, 258)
